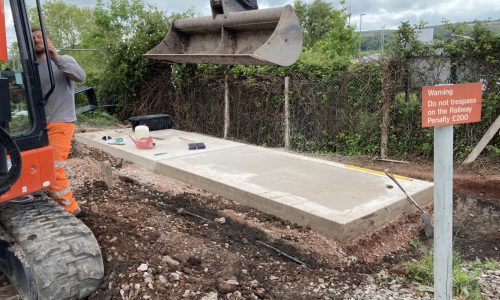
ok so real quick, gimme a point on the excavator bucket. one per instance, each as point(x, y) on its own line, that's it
point(253, 37)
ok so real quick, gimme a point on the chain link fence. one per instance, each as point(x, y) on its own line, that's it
point(340, 114)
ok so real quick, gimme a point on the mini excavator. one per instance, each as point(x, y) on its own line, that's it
point(45, 252)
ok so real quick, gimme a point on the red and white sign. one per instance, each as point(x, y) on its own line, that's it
point(451, 104)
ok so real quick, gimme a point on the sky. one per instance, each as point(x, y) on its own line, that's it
point(376, 13)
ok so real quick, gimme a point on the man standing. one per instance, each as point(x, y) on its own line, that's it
point(60, 114)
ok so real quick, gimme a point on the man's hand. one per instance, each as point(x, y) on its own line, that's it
point(17, 94)
point(52, 51)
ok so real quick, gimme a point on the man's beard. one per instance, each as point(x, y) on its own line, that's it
point(39, 50)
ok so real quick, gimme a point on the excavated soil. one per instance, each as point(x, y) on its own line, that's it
point(196, 244)
point(161, 239)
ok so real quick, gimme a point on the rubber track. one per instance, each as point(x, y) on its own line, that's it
point(61, 250)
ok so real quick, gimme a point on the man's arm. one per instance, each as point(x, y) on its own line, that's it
point(70, 67)
point(66, 63)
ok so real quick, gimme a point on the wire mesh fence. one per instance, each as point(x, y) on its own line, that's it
point(340, 114)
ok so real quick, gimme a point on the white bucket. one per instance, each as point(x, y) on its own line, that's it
point(141, 132)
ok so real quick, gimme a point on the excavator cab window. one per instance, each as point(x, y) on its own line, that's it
point(22, 103)
point(16, 116)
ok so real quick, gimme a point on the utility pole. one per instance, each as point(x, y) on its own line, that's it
point(361, 21)
point(382, 39)
point(349, 15)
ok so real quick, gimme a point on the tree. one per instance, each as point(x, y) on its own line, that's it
point(119, 20)
point(65, 23)
point(327, 36)
point(405, 44)
point(127, 29)
point(315, 19)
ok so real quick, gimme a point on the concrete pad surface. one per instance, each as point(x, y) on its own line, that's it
point(341, 201)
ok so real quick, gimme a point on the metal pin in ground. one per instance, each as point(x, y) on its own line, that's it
point(183, 211)
point(283, 253)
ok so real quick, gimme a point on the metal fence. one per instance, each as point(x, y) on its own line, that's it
point(340, 114)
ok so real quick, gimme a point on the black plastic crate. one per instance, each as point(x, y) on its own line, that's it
point(154, 122)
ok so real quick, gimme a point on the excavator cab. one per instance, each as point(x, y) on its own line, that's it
point(45, 252)
point(236, 33)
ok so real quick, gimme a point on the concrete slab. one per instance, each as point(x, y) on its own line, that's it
point(338, 200)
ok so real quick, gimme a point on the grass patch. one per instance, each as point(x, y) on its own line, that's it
point(465, 274)
point(487, 264)
point(415, 242)
point(97, 118)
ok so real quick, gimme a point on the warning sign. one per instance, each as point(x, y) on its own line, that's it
point(451, 104)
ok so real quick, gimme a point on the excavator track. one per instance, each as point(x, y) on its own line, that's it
point(46, 252)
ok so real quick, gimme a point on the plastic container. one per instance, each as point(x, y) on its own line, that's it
point(143, 143)
point(141, 132)
point(154, 122)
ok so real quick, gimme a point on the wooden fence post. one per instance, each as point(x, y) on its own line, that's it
point(384, 126)
point(226, 106)
point(391, 80)
point(287, 112)
point(488, 136)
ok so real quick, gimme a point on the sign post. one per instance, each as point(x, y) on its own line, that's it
point(443, 106)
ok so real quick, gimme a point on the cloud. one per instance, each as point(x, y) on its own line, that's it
point(393, 12)
point(377, 13)
point(9, 25)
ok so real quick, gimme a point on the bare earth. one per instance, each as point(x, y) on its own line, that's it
point(162, 239)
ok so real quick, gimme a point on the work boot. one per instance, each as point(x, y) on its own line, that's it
point(77, 212)
point(73, 207)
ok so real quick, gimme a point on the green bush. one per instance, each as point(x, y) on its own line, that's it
point(335, 104)
point(97, 118)
point(465, 274)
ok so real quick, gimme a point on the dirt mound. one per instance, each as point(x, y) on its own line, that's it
point(165, 240)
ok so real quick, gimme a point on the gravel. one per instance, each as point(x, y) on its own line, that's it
point(490, 283)
point(198, 259)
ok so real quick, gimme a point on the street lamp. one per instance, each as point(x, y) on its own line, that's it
point(361, 20)
point(349, 15)
point(382, 39)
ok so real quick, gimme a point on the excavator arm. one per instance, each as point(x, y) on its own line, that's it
point(226, 6)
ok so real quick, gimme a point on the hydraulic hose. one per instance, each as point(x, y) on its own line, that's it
point(10, 177)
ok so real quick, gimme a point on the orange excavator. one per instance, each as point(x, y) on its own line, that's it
point(46, 252)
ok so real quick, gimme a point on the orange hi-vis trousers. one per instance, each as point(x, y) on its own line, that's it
point(60, 136)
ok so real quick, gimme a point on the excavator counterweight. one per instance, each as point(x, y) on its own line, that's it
point(236, 33)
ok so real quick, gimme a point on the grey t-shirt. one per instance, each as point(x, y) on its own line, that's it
point(60, 107)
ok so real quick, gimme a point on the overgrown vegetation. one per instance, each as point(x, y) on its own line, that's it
point(465, 274)
point(98, 118)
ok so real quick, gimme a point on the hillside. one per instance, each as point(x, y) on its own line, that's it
point(372, 40)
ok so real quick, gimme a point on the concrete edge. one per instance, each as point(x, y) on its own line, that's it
point(318, 222)
point(119, 153)
point(264, 204)
point(391, 213)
